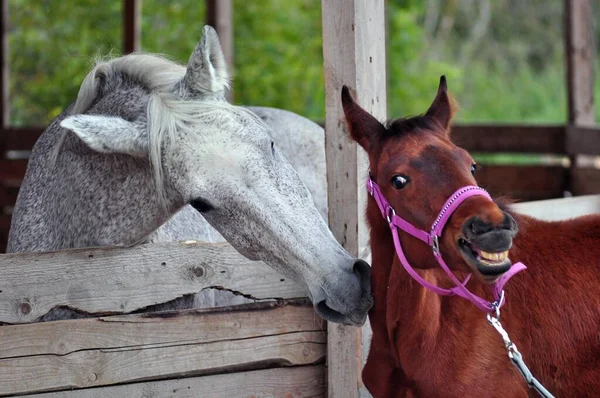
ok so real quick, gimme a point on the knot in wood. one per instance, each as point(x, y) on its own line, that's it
point(198, 272)
point(25, 308)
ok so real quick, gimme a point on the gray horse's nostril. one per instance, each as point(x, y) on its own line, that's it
point(363, 270)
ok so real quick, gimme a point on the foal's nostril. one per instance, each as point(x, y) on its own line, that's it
point(509, 223)
point(363, 270)
point(476, 226)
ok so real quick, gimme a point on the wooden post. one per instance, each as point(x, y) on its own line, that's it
point(580, 65)
point(579, 49)
point(3, 64)
point(219, 15)
point(354, 55)
point(131, 25)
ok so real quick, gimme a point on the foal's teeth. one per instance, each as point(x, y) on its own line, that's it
point(493, 256)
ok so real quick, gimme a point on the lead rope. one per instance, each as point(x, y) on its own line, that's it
point(514, 354)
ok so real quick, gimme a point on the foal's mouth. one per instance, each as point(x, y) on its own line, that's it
point(490, 264)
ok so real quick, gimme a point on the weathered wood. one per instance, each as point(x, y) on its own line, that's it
point(3, 65)
point(523, 182)
point(109, 280)
point(580, 61)
point(585, 181)
point(354, 55)
point(560, 209)
point(510, 138)
point(112, 350)
point(583, 140)
point(158, 328)
point(132, 26)
point(302, 381)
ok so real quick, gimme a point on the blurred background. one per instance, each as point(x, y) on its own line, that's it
point(504, 59)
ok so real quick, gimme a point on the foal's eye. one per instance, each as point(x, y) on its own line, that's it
point(273, 147)
point(400, 181)
point(473, 169)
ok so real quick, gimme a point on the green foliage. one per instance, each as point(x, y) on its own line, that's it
point(50, 48)
point(503, 59)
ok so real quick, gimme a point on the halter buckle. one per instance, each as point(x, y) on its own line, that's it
point(435, 244)
point(391, 213)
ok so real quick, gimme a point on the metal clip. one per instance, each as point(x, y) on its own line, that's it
point(391, 213)
point(435, 244)
point(371, 189)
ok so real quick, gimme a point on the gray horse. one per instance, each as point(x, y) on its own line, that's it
point(145, 138)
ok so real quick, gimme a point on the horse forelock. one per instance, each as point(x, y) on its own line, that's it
point(168, 112)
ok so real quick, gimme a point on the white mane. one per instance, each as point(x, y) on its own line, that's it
point(167, 112)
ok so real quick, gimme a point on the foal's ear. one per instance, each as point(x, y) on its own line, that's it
point(362, 125)
point(108, 134)
point(206, 69)
point(442, 108)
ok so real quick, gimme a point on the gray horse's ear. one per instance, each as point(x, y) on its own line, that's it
point(108, 134)
point(206, 70)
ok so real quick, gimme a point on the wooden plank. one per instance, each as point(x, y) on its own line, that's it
point(131, 25)
point(580, 52)
point(158, 328)
point(109, 280)
point(4, 107)
point(560, 209)
point(141, 347)
point(19, 138)
point(510, 138)
point(583, 140)
point(585, 181)
point(523, 182)
point(354, 55)
point(302, 381)
point(12, 170)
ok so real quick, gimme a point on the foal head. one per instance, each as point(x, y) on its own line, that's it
point(418, 168)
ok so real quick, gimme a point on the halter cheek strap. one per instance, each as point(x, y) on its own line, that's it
point(432, 239)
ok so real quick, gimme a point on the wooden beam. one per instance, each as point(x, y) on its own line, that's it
point(354, 55)
point(523, 182)
point(116, 281)
point(8, 196)
point(580, 56)
point(585, 181)
point(219, 15)
point(12, 170)
point(131, 25)
point(4, 107)
point(99, 352)
point(510, 138)
point(299, 381)
point(19, 138)
point(583, 140)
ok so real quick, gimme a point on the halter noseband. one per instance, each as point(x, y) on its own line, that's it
point(432, 239)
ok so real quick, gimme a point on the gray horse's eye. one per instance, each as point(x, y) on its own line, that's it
point(273, 147)
point(202, 205)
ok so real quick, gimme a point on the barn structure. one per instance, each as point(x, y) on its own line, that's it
point(277, 347)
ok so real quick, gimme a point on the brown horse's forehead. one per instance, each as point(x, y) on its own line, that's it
point(427, 153)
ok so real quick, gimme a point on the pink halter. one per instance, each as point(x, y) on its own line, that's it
point(432, 238)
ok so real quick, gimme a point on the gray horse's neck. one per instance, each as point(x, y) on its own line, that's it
point(89, 199)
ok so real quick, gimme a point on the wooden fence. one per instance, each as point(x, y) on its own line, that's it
point(272, 348)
